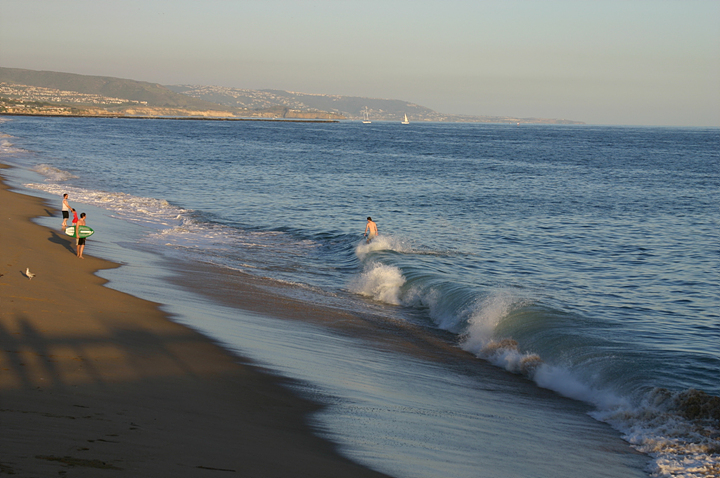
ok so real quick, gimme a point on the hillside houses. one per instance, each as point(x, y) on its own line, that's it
point(23, 94)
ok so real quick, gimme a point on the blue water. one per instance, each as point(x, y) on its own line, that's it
point(584, 259)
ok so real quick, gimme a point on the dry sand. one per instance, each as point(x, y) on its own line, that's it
point(95, 382)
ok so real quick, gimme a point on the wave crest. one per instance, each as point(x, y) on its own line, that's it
point(382, 243)
point(381, 282)
point(7, 147)
point(679, 430)
point(134, 209)
point(52, 173)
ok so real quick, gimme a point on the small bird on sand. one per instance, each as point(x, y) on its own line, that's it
point(29, 274)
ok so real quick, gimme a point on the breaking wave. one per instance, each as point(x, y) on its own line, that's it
point(380, 282)
point(52, 173)
point(680, 430)
point(134, 209)
point(382, 243)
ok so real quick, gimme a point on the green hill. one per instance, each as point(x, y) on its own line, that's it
point(348, 106)
point(244, 102)
point(155, 95)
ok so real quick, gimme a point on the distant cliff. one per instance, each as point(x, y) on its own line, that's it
point(151, 93)
point(342, 106)
point(49, 92)
point(351, 107)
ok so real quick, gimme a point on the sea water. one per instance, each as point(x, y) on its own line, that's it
point(572, 269)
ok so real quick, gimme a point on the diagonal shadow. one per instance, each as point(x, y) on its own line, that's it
point(38, 347)
point(31, 358)
point(55, 238)
point(12, 362)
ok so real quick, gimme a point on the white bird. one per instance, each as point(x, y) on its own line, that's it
point(29, 274)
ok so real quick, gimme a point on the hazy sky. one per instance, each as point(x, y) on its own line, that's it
point(604, 62)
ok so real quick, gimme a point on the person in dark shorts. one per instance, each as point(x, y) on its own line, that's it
point(81, 240)
point(65, 210)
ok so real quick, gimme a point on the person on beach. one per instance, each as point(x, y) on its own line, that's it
point(75, 218)
point(371, 230)
point(65, 210)
point(80, 240)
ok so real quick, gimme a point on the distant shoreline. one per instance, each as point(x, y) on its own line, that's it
point(63, 94)
point(280, 120)
point(195, 118)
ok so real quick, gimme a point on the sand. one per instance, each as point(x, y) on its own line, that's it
point(95, 382)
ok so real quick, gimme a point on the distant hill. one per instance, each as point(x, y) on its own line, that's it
point(152, 93)
point(216, 101)
point(348, 106)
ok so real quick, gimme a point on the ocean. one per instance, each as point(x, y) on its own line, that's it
point(542, 301)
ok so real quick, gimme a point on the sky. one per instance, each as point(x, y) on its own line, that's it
point(625, 62)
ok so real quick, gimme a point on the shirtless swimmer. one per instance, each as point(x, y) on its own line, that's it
point(371, 230)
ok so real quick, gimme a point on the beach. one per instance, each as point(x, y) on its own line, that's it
point(97, 382)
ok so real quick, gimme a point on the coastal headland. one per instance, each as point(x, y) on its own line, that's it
point(171, 117)
point(49, 93)
point(95, 382)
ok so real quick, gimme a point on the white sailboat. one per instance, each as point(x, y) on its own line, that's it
point(405, 121)
point(366, 116)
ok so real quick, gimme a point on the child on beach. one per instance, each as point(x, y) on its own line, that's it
point(75, 218)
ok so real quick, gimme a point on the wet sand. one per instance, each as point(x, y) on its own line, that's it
point(95, 382)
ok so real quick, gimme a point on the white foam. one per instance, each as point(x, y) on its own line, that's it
point(485, 315)
point(381, 282)
point(190, 233)
point(382, 243)
point(128, 207)
point(680, 448)
point(52, 173)
point(7, 147)
point(479, 336)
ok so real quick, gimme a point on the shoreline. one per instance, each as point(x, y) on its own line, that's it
point(509, 121)
point(188, 118)
point(96, 378)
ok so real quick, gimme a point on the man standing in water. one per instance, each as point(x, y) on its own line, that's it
point(65, 210)
point(370, 230)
